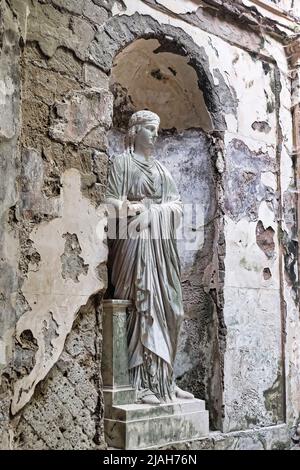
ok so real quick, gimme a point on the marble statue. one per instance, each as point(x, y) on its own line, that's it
point(143, 260)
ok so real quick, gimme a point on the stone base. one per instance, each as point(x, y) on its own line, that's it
point(117, 396)
point(140, 426)
point(277, 437)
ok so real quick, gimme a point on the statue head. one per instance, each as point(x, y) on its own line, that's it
point(142, 129)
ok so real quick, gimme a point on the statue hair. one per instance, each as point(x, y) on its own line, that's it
point(130, 138)
point(135, 123)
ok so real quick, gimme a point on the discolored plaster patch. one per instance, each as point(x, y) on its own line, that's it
point(261, 126)
point(290, 252)
point(72, 265)
point(50, 333)
point(123, 106)
point(274, 398)
point(24, 353)
point(267, 274)
point(290, 240)
point(227, 94)
point(79, 114)
point(265, 239)
point(244, 190)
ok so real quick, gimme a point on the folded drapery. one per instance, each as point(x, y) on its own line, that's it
point(144, 267)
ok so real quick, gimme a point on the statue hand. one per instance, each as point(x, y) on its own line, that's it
point(139, 223)
point(135, 208)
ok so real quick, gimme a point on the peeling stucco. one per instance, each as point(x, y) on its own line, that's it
point(243, 173)
point(72, 264)
point(226, 62)
point(61, 297)
point(265, 239)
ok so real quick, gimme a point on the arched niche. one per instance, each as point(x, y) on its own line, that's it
point(163, 70)
point(161, 81)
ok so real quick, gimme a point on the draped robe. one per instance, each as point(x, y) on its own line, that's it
point(144, 267)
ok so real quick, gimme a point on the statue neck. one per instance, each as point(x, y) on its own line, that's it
point(143, 154)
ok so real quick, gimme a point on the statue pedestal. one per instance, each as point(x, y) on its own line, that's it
point(129, 425)
point(139, 426)
point(116, 387)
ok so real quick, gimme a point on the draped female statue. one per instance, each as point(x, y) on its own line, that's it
point(143, 260)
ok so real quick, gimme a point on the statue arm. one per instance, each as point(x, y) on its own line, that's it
point(116, 203)
point(173, 209)
point(116, 185)
point(176, 205)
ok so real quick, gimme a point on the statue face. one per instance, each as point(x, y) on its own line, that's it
point(147, 135)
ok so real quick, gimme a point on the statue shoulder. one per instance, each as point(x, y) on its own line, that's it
point(164, 170)
point(119, 161)
point(169, 180)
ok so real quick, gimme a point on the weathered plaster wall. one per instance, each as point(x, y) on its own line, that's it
point(242, 311)
point(9, 170)
point(59, 224)
point(290, 240)
point(61, 277)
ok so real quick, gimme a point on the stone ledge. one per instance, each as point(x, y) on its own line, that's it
point(277, 437)
point(142, 411)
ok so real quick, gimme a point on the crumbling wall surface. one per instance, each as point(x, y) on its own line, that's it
point(254, 365)
point(265, 261)
point(254, 360)
point(289, 236)
point(52, 228)
point(59, 223)
point(66, 412)
point(9, 170)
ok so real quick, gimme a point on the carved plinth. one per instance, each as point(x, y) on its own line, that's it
point(116, 386)
point(140, 426)
point(129, 425)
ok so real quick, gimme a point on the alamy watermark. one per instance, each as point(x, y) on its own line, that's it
point(184, 222)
